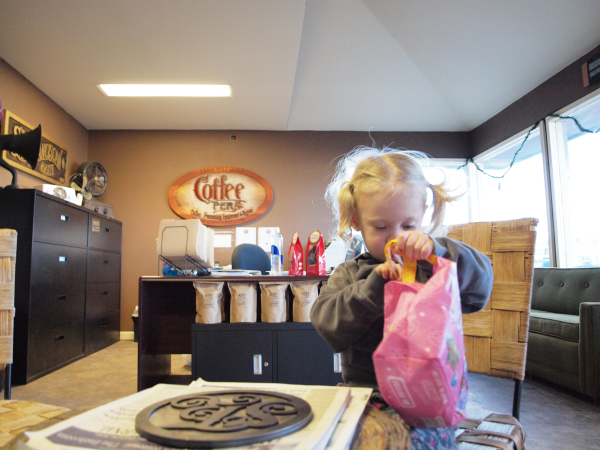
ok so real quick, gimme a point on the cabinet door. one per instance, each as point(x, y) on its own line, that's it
point(245, 356)
point(56, 305)
point(104, 234)
point(60, 223)
point(305, 358)
point(101, 331)
point(52, 347)
point(57, 264)
point(103, 267)
point(102, 298)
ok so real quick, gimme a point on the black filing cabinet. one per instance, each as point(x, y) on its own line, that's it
point(103, 298)
point(67, 286)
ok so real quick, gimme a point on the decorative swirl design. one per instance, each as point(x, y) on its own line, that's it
point(239, 412)
point(223, 418)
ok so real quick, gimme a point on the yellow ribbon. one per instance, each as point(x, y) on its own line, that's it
point(409, 270)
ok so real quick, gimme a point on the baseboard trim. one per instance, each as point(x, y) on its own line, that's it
point(127, 335)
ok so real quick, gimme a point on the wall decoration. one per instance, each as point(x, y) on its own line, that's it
point(52, 162)
point(221, 196)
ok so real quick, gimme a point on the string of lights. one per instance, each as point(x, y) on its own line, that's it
point(577, 123)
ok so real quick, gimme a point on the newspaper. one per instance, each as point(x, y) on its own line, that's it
point(341, 429)
point(113, 425)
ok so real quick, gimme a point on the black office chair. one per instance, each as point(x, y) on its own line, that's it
point(250, 257)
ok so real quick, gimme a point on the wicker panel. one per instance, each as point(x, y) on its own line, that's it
point(478, 354)
point(478, 235)
point(509, 266)
point(512, 241)
point(496, 337)
point(511, 296)
point(503, 374)
point(8, 244)
point(7, 295)
point(506, 325)
point(509, 356)
point(8, 253)
point(524, 328)
point(479, 324)
point(456, 233)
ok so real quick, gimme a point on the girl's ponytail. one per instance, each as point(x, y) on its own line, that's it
point(441, 196)
point(346, 206)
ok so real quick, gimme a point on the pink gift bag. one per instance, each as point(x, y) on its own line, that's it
point(420, 363)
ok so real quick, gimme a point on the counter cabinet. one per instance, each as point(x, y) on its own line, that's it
point(286, 352)
point(295, 353)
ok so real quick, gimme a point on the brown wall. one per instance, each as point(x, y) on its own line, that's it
point(142, 166)
point(30, 104)
point(554, 94)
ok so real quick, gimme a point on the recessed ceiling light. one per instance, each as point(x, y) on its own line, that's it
point(165, 90)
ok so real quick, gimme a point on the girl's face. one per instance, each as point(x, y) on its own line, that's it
point(382, 216)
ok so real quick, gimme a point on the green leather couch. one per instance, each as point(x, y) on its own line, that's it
point(564, 330)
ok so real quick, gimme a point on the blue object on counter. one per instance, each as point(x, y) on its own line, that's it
point(169, 271)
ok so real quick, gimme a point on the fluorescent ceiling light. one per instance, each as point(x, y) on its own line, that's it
point(166, 90)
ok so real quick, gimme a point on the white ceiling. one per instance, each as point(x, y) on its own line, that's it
point(380, 65)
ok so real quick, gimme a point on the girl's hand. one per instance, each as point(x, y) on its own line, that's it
point(388, 268)
point(414, 245)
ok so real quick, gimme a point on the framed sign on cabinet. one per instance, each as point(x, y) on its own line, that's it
point(52, 162)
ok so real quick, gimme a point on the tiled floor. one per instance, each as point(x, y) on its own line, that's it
point(554, 419)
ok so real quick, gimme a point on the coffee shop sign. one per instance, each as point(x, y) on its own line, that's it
point(221, 196)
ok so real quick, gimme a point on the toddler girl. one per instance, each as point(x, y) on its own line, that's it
point(383, 194)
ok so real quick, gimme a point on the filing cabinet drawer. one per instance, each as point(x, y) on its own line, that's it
point(57, 264)
point(103, 267)
point(102, 331)
point(60, 223)
point(51, 347)
point(57, 305)
point(102, 298)
point(104, 234)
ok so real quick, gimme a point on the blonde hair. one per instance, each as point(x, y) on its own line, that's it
point(366, 170)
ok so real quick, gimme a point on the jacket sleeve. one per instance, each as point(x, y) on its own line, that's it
point(474, 271)
point(347, 308)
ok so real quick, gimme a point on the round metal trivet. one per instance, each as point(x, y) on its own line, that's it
point(222, 418)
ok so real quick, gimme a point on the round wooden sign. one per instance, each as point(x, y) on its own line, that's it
point(222, 419)
point(221, 196)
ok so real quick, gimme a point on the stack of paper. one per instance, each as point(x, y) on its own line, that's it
point(336, 413)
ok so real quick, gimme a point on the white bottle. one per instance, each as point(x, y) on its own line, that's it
point(276, 254)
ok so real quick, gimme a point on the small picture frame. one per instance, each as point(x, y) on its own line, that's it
point(52, 161)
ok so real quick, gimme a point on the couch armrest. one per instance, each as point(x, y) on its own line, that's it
point(589, 348)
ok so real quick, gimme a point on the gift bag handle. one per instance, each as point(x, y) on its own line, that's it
point(409, 270)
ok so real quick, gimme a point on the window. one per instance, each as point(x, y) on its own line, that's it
point(455, 177)
point(575, 158)
point(517, 191)
point(558, 190)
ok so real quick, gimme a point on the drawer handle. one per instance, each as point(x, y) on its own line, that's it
point(104, 324)
point(107, 230)
point(106, 262)
point(61, 297)
point(105, 293)
point(64, 218)
point(257, 364)
point(59, 338)
point(62, 259)
point(337, 363)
